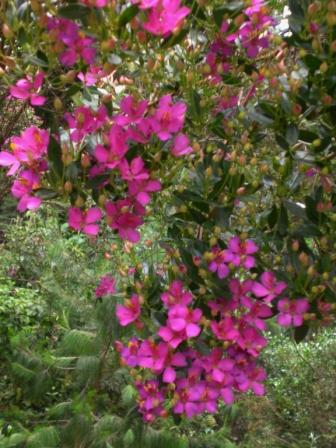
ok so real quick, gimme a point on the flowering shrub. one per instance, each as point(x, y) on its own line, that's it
point(213, 114)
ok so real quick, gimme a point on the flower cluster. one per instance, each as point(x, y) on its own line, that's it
point(114, 135)
point(178, 367)
point(26, 160)
point(251, 32)
point(72, 44)
point(163, 16)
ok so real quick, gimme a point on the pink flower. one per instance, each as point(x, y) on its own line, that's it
point(79, 47)
point(129, 312)
point(151, 399)
point(133, 171)
point(169, 117)
point(22, 189)
point(165, 17)
point(181, 325)
point(225, 329)
point(95, 3)
point(159, 359)
point(176, 295)
point(85, 221)
point(114, 154)
point(181, 146)
point(129, 353)
point(181, 318)
point(241, 252)
point(140, 189)
point(187, 398)
point(292, 311)
point(132, 111)
point(91, 76)
point(85, 121)
point(220, 257)
point(27, 149)
point(145, 4)
point(216, 366)
point(269, 288)
point(121, 218)
point(27, 88)
point(250, 339)
point(106, 286)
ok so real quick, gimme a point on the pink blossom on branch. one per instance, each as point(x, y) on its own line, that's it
point(85, 221)
point(106, 286)
point(27, 89)
point(129, 312)
point(292, 312)
point(268, 288)
point(23, 188)
point(165, 17)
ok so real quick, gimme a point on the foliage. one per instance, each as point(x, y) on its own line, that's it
point(211, 126)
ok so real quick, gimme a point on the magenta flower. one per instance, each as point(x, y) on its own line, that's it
point(219, 260)
point(133, 171)
point(165, 17)
point(129, 312)
point(132, 111)
point(169, 118)
point(27, 149)
point(121, 218)
point(159, 359)
point(146, 4)
point(187, 398)
point(256, 315)
point(85, 121)
point(181, 146)
point(269, 288)
point(78, 47)
point(241, 252)
point(129, 353)
point(292, 311)
point(95, 3)
point(22, 189)
point(106, 286)
point(208, 394)
point(240, 291)
point(151, 399)
point(92, 75)
point(85, 221)
point(216, 366)
point(112, 156)
point(140, 189)
point(176, 295)
point(250, 339)
point(225, 329)
point(27, 88)
point(181, 318)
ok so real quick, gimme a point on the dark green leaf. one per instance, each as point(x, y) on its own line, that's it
point(127, 15)
point(73, 11)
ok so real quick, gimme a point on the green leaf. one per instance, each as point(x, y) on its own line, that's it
point(221, 215)
point(300, 333)
point(175, 38)
point(292, 134)
point(295, 208)
point(283, 223)
point(260, 118)
point(73, 11)
point(232, 8)
point(195, 108)
point(311, 210)
point(55, 158)
point(127, 15)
